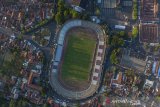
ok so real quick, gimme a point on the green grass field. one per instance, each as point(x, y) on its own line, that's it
point(78, 58)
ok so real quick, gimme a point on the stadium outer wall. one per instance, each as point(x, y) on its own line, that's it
point(97, 68)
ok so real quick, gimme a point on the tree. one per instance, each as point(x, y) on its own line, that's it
point(129, 73)
point(121, 42)
point(97, 12)
point(135, 10)
point(157, 99)
point(19, 103)
point(60, 3)
point(61, 8)
point(134, 31)
point(74, 14)
point(58, 18)
point(3, 105)
point(43, 93)
point(116, 41)
point(113, 57)
point(12, 103)
point(146, 46)
point(78, 105)
point(106, 29)
point(66, 14)
point(45, 105)
point(156, 48)
point(20, 37)
point(122, 33)
point(24, 103)
point(85, 16)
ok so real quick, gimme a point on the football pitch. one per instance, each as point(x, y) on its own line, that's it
point(78, 58)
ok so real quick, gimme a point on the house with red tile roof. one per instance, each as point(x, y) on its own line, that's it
point(117, 80)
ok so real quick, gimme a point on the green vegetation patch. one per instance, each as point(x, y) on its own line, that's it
point(134, 31)
point(42, 36)
point(135, 10)
point(11, 63)
point(78, 58)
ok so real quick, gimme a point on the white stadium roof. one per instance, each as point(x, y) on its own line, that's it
point(58, 53)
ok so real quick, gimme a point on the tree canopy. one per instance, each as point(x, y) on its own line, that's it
point(58, 18)
point(134, 31)
point(12, 103)
point(65, 13)
point(113, 57)
point(116, 41)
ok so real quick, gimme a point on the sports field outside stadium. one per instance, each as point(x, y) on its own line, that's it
point(78, 57)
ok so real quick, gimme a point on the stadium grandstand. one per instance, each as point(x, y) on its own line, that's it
point(97, 66)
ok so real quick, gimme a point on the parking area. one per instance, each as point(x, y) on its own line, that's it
point(115, 10)
point(134, 60)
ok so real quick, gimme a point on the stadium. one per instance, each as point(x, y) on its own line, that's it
point(64, 57)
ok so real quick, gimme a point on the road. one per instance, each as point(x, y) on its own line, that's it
point(52, 27)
